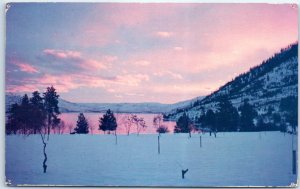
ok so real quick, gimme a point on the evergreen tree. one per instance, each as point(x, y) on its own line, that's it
point(248, 113)
point(227, 116)
point(24, 115)
point(289, 107)
point(210, 120)
point(82, 126)
point(183, 125)
point(13, 119)
point(276, 119)
point(51, 106)
point(38, 114)
point(108, 122)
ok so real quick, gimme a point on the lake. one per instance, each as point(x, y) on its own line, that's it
point(70, 120)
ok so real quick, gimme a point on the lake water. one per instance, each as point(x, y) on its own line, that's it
point(70, 120)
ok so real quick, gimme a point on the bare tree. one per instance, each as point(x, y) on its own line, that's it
point(92, 127)
point(70, 127)
point(126, 121)
point(139, 122)
point(157, 121)
point(61, 127)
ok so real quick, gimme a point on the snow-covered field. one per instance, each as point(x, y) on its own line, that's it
point(231, 159)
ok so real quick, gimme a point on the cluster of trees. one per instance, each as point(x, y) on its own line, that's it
point(244, 118)
point(107, 122)
point(35, 115)
point(133, 120)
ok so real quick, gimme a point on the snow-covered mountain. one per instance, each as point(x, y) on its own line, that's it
point(148, 107)
point(264, 86)
point(66, 106)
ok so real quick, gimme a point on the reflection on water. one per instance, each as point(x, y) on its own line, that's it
point(70, 120)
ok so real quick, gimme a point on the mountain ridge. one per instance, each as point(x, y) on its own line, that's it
point(144, 107)
point(263, 85)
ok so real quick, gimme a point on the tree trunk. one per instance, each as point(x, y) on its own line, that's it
point(49, 123)
point(116, 137)
point(158, 144)
point(45, 155)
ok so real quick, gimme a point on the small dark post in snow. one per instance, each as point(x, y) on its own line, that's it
point(116, 139)
point(200, 142)
point(158, 145)
point(294, 156)
point(294, 162)
point(183, 173)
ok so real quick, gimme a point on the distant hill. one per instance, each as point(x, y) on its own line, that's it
point(263, 85)
point(66, 106)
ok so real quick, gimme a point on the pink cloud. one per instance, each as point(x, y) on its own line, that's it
point(63, 54)
point(164, 34)
point(77, 58)
point(93, 64)
point(168, 73)
point(142, 63)
point(131, 79)
point(25, 67)
point(109, 58)
point(133, 14)
point(178, 48)
point(27, 88)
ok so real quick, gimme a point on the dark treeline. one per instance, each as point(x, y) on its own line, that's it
point(35, 115)
point(244, 118)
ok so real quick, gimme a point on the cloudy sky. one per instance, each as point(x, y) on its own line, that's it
point(108, 52)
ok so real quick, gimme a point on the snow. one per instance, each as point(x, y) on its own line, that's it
point(231, 159)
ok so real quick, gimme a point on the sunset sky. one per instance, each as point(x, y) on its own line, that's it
point(109, 52)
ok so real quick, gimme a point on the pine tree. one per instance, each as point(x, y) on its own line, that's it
point(24, 115)
point(289, 107)
point(227, 116)
point(13, 119)
point(248, 113)
point(209, 120)
point(183, 125)
point(82, 126)
point(51, 106)
point(38, 114)
point(108, 122)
